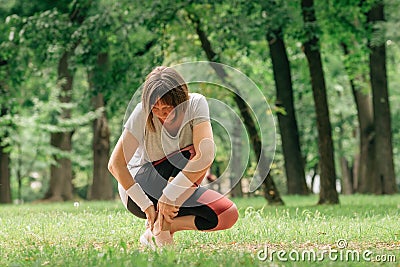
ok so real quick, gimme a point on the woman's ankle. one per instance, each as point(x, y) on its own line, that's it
point(158, 226)
point(166, 226)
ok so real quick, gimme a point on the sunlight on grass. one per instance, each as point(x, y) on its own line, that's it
point(105, 234)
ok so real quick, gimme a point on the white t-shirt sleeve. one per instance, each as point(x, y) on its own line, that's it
point(136, 123)
point(200, 109)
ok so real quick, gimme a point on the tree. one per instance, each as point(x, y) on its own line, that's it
point(345, 24)
point(236, 160)
point(61, 172)
point(365, 166)
point(381, 107)
point(10, 76)
point(328, 193)
point(294, 165)
point(108, 62)
point(5, 188)
point(101, 186)
point(270, 191)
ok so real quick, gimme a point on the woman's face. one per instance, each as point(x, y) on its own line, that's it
point(164, 112)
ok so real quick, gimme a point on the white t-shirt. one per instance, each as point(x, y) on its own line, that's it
point(156, 145)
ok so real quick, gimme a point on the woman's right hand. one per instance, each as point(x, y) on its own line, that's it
point(167, 208)
point(151, 216)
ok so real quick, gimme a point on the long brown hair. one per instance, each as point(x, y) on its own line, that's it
point(168, 86)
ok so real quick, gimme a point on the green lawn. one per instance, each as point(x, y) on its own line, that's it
point(105, 234)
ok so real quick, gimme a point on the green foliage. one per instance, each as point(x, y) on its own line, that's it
point(139, 35)
point(28, 138)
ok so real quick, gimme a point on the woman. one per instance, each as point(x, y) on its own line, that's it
point(168, 147)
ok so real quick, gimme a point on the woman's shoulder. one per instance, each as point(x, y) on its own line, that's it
point(139, 105)
point(198, 106)
point(196, 97)
point(138, 108)
point(136, 113)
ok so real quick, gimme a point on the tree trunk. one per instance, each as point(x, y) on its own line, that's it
point(5, 183)
point(101, 188)
point(236, 160)
point(364, 166)
point(347, 174)
point(366, 181)
point(271, 192)
point(61, 173)
point(294, 167)
point(328, 193)
point(5, 187)
point(381, 108)
point(347, 177)
point(60, 188)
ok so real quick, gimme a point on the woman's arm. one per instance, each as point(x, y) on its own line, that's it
point(203, 143)
point(121, 155)
point(117, 165)
point(196, 167)
point(194, 170)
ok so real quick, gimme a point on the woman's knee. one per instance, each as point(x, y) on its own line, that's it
point(228, 218)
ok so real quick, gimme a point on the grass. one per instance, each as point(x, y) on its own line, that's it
point(105, 234)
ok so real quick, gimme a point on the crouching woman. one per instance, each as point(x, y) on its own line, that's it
point(161, 158)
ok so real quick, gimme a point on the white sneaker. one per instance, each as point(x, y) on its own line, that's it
point(147, 239)
point(163, 238)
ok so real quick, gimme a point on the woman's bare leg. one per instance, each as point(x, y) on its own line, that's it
point(183, 223)
point(161, 224)
point(178, 224)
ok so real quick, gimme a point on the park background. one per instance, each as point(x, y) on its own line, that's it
point(329, 70)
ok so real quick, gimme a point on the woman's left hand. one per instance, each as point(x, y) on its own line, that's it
point(167, 208)
point(151, 216)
